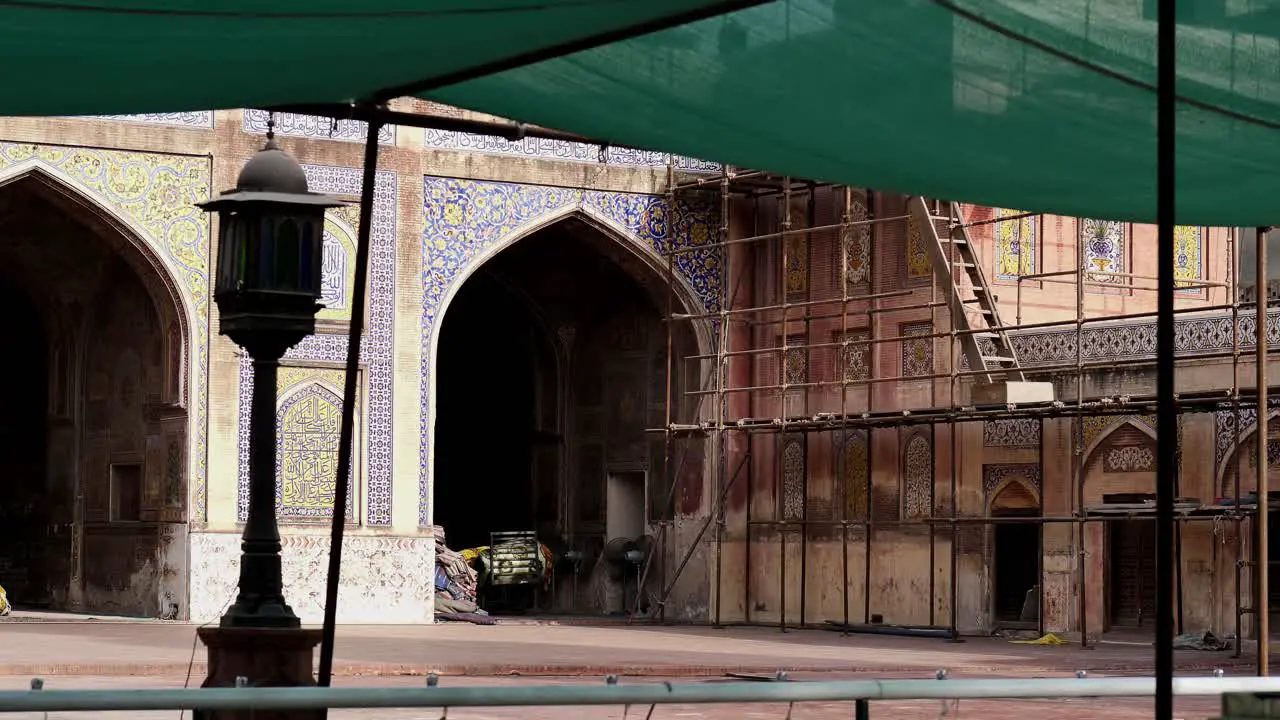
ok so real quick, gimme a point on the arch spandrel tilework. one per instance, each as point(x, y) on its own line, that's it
point(1233, 427)
point(1096, 427)
point(154, 195)
point(376, 348)
point(466, 221)
point(999, 476)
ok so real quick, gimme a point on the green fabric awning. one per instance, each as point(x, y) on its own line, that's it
point(99, 57)
point(1037, 104)
point(1042, 105)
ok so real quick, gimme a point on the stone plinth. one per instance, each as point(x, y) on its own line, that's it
point(265, 657)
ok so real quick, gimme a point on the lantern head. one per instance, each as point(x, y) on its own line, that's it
point(270, 250)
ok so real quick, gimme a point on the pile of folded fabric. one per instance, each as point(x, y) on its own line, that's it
point(455, 584)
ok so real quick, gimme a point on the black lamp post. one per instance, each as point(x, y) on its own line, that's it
point(270, 252)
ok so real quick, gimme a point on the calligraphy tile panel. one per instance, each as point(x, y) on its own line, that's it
point(318, 128)
point(376, 347)
point(202, 119)
point(308, 422)
point(560, 150)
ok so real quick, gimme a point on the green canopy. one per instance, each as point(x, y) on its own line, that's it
point(98, 57)
point(1037, 104)
point(1034, 104)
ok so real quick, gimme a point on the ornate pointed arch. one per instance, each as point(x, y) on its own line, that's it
point(1228, 443)
point(144, 203)
point(468, 222)
point(1095, 440)
point(1012, 487)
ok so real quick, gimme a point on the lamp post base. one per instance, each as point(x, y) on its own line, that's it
point(265, 657)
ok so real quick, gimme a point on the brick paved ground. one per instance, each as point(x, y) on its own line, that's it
point(154, 654)
point(162, 649)
point(1109, 709)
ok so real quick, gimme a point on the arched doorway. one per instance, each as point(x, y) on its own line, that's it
point(1119, 468)
point(1014, 499)
point(93, 444)
point(1240, 474)
point(550, 368)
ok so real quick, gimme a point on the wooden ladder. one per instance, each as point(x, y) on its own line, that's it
point(973, 307)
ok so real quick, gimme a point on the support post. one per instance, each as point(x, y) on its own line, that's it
point(1166, 401)
point(351, 379)
point(261, 603)
point(1262, 606)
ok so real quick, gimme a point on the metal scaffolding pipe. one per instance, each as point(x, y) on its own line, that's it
point(779, 234)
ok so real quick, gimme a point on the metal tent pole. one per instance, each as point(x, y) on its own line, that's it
point(1166, 402)
point(1262, 607)
point(349, 389)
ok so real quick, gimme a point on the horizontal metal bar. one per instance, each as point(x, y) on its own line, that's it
point(274, 699)
point(1006, 218)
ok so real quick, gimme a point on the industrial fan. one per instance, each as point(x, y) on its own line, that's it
point(625, 559)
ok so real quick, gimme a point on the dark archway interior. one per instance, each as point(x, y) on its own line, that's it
point(485, 413)
point(91, 388)
point(549, 369)
point(23, 448)
point(1017, 564)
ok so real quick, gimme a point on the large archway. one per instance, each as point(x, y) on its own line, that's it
point(550, 368)
point(94, 444)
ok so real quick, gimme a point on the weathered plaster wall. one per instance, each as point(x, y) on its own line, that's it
point(445, 202)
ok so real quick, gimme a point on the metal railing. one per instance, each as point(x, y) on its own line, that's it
point(860, 692)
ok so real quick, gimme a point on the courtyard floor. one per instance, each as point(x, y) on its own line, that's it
point(45, 645)
point(79, 653)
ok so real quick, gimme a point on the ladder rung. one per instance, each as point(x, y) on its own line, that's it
point(987, 335)
point(997, 359)
point(963, 264)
